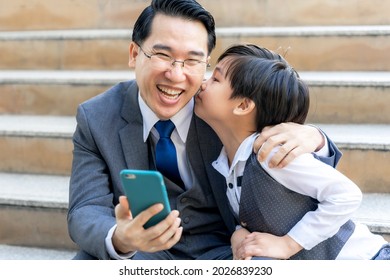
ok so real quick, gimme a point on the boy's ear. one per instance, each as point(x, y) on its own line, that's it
point(133, 53)
point(244, 107)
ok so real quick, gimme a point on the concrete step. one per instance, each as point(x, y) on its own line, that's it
point(8, 252)
point(360, 95)
point(22, 194)
point(36, 144)
point(42, 144)
point(308, 48)
point(375, 213)
point(41, 14)
point(317, 48)
point(47, 92)
point(366, 154)
point(349, 97)
point(33, 208)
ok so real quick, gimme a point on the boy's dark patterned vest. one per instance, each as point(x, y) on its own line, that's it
point(267, 206)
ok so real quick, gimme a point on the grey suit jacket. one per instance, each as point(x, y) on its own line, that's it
point(108, 138)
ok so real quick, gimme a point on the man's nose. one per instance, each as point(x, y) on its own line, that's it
point(203, 85)
point(176, 72)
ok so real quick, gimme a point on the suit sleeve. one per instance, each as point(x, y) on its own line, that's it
point(91, 208)
point(334, 153)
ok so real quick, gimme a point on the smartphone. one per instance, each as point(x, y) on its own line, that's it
point(144, 188)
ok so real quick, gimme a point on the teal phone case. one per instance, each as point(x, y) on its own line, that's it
point(143, 188)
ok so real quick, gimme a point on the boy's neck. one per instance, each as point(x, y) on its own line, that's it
point(232, 139)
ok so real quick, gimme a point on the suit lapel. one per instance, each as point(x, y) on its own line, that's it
point(134, 148)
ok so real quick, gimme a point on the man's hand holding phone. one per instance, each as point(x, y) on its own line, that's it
point(130, 234)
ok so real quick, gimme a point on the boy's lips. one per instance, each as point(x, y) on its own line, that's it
point(198, 92)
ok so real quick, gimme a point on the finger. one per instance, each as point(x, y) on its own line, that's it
point(248, 242)
point(124, 203)
point(288, 150)
point(163, 233)
point(261, 139)
point(139, 237)
point(269, 145)
point(243, 253)
point(145, 215)
point(253, 239)
point(281, 154)
point(158, 230)
point(122, 209)
point(251, 251)
point(272, 136)
point(294, 153)
point(174, 239)
point(168, 239)
point(243, 247)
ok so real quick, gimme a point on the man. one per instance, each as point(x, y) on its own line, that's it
point(170, 49)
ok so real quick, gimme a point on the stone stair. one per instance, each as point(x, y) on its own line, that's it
point(54, 55)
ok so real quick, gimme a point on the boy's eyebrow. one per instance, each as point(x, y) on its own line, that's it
point(219, 70)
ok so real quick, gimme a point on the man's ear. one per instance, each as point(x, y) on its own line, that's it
point(244, 107)
point(133, 53)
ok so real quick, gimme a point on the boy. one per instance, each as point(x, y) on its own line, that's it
point(302, 211)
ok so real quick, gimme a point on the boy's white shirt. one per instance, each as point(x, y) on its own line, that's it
point(338, 197)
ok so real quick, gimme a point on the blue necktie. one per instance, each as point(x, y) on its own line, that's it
point(166, 159)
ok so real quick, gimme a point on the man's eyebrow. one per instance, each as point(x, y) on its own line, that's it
point(161, 47)
point(169, 49)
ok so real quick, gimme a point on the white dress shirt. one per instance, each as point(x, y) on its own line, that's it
point(182, 121)
point(338, 198)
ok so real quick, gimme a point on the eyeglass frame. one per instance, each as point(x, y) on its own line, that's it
point(172, 60)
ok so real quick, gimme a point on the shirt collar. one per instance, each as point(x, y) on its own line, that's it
point(245, 149)
point(242, 155)
point(182, 119)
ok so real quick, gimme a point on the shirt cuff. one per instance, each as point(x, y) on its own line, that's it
point(307, 241)
point(324, 151)
point(238, 227)
point(111, 250)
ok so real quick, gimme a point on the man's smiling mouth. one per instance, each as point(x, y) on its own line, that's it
point(170, 93)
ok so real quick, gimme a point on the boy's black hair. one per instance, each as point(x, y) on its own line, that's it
point(266, 78)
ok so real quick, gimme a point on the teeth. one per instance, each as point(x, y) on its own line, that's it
point(171, 97)
point(170, 93)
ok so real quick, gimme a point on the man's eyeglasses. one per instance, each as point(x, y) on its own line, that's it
point(189, 66)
